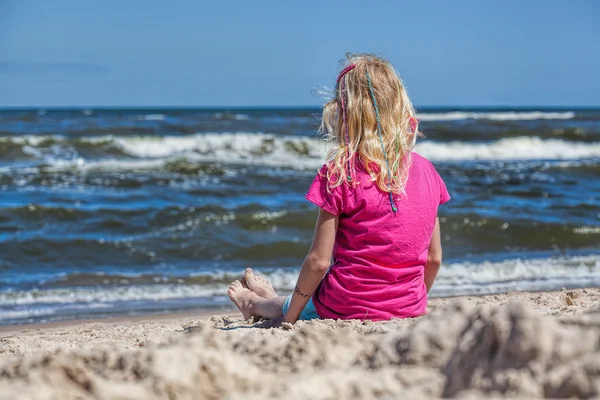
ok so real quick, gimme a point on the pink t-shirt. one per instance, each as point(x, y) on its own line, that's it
point(379, 256)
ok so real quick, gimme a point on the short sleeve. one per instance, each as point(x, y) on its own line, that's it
point(329, 200)
point(437, 179)
point(444, 195)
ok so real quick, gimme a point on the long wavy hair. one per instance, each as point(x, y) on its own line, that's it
point(360, 142)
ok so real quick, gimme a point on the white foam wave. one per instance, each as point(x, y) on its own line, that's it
point(587, 230)
point(495, 116)
point(303, 152)
point(31, 140)
point(109, 295)
point(105, 165)
point(238, 117)
point(519, 148)
point(497, 277)
point(151, 117)
point(148, 152)
point(454, 279)
point(518, 274)
point(7, 315)
point(238, 148)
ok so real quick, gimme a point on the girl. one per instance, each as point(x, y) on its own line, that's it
point(378, 205)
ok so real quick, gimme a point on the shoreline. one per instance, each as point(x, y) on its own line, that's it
point(118, 319)
point(206, 313)
point(167, 324)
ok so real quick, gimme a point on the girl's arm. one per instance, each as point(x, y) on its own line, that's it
point(315, 265)
point(434, 256)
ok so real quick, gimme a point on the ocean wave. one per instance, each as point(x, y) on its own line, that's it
point(454, 279)
point(152, 152)
point(494, 277)
point(151, 117)
point(9, 316)
point(495, 116)
point(517, 274)
point(303, 152)
point(587, 230)
point(110, 294)
point(519, 148)
point(231, 116)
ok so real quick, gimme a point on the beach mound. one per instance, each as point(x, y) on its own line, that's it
point(458, 350)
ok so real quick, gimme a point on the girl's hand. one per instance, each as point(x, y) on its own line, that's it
point(289, 321)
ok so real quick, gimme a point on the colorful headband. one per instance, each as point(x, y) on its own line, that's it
point(413, 124)
point(345, 71)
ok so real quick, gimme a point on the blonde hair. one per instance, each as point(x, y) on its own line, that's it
point(386, 158)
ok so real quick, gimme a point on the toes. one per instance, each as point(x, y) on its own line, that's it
point(249, 275)
point(244, 282)
point(263, 280)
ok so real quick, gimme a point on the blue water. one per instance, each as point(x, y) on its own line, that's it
point(118, 212)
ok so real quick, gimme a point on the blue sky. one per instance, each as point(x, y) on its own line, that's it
point(268, 53)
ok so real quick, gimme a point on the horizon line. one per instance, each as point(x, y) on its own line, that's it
point(304, 107)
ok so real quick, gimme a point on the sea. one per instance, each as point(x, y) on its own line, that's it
point(136, 211)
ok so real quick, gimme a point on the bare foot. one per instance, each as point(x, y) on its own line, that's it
point(259, 285)
point(242, 298)
point(243, 282)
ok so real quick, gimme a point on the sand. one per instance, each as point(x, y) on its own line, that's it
point(517, 345)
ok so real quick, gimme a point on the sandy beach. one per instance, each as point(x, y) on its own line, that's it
point(521, 344)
